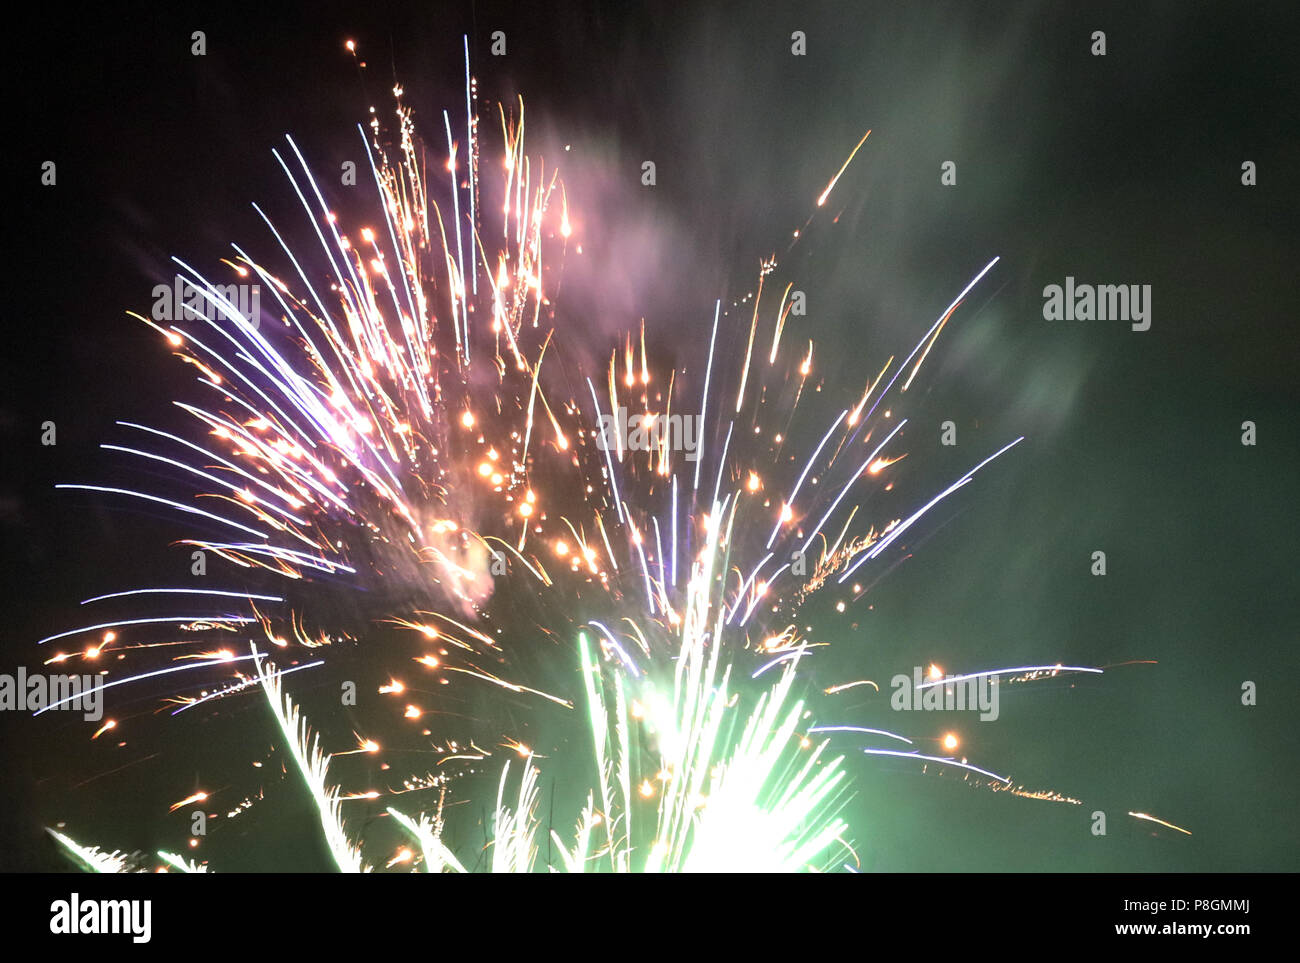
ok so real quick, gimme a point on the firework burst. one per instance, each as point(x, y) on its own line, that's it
point(403, 476)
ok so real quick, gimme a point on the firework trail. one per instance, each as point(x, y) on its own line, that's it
point(386, 444)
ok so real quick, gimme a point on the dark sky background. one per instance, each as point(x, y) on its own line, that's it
point(1117, 169)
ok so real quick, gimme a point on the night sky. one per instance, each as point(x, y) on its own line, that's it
point(1124, 168)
